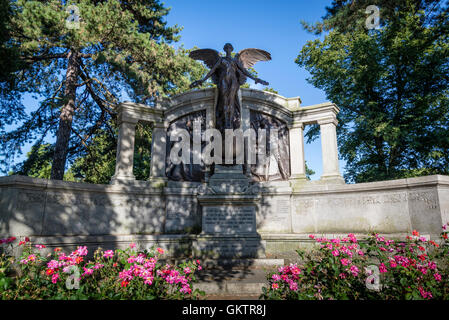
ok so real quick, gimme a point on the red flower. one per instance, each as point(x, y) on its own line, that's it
point(27, 239)
point(421, 248)
point(434, 243)
point(10, 239)
point(422, 257)
point(124, 283)
point(49, 272)
point(415, 233)
point(22, 242)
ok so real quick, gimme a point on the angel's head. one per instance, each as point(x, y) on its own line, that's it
point(228, 48)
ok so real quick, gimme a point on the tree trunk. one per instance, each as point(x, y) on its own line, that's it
point(66, 117)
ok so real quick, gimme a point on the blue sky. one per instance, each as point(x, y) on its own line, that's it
point(270, 25)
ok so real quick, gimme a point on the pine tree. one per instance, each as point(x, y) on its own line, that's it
point(81, 58)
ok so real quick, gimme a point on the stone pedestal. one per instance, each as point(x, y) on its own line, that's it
point(229, 205)
point(329, 150)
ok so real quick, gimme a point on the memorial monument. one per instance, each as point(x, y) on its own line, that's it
point(251, 201)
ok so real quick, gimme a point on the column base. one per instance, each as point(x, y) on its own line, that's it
point(297, 181)
point(332, 179)
point(158, 182)
point(122, 179)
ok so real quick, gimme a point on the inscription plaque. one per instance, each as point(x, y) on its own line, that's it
point(229, 219)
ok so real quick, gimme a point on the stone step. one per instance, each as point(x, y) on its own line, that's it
point(242, 263)
point(227, 284)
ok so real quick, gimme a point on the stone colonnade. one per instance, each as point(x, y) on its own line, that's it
point(286, 109)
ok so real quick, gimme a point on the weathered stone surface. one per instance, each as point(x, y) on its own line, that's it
point(229, 220)
point(209, 246)
point(181, 213)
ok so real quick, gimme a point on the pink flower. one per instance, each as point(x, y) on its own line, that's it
point(40, 246)
point(81, 251)
point(132, 245)
point(342, 276)
point(393, 264)
point(53, 264)
point(311, 236)
point(187, 270)
point(432, 265)
point(360, 253)
point(160, 250)
point(55, 277)
point(437, 277)
point(354, 270)
point(382, 268)
point(108, 254)
point(335, 253)
point(345, 261)
point(276, 277)
point(352, 238)
point(140, 258)
point(275, 286)
point(425, 294)
point(87, 272)
point(185, 289)
point(293, 286)
point(336, 241)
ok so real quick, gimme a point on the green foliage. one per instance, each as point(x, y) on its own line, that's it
point(111, 275)
point(372, 269)
point(123, 50)
point(309, 172)
point(38, 162)
point(391, 85)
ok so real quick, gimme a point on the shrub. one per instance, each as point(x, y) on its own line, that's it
point(376, 268)
point(119, 274)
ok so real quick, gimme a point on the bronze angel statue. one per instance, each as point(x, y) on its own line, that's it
point(229, 73)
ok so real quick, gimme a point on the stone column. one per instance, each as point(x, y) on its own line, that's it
point(329, 150)
point(297, 160)
point(125, 152)
point(245, 124)
point(158, 152)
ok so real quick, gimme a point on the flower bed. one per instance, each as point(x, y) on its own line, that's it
point(119, 274)
point(376, 268)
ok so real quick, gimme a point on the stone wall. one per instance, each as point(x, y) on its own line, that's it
point(39, 207)
point(69, 214)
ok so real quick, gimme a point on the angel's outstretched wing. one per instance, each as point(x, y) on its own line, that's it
point(209, 57)
point(248, 58)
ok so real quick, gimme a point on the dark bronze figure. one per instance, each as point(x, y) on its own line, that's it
point(229, 73)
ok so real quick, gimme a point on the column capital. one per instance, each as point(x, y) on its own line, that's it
point(327, 121)
point(296, 125)
point(161, 125)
